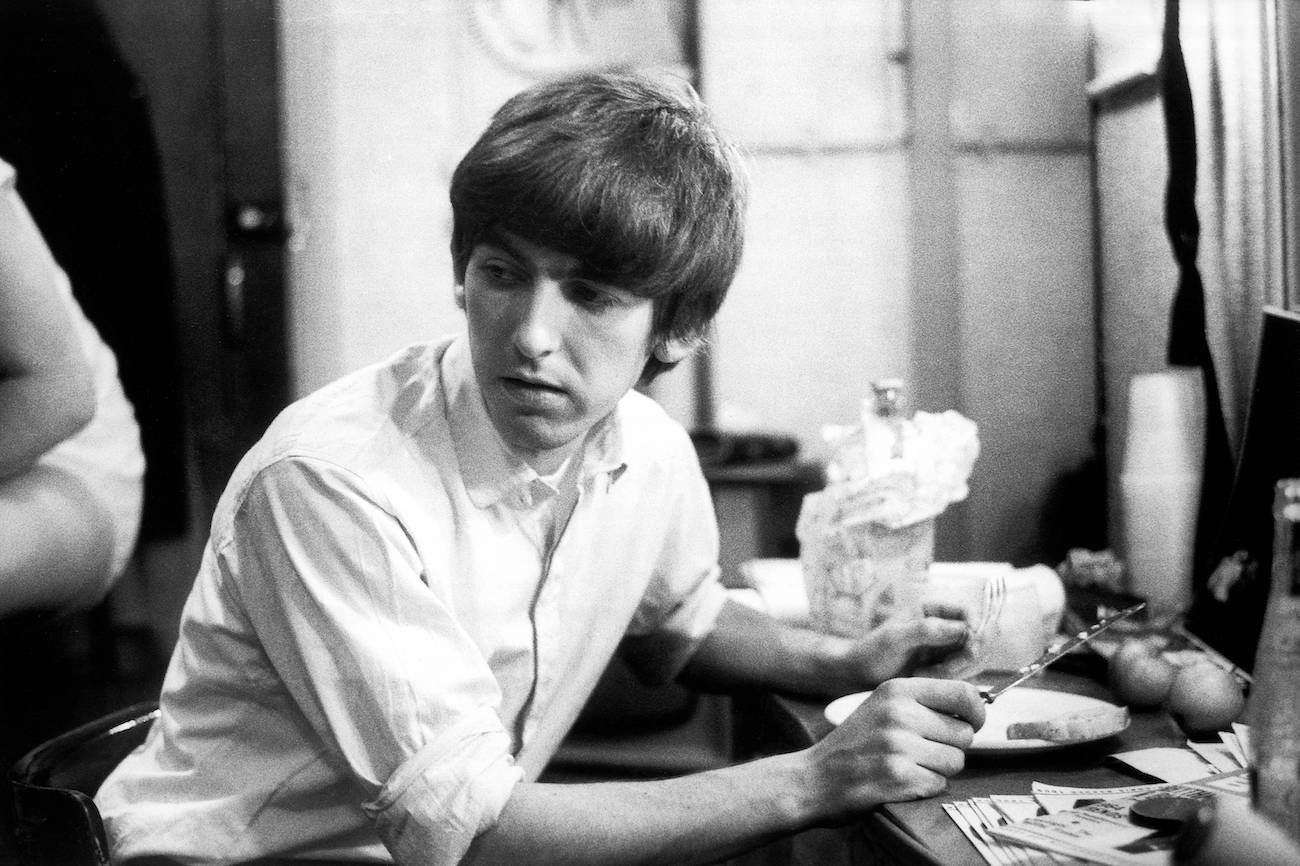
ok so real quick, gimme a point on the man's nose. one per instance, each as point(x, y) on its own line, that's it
point(541, 320)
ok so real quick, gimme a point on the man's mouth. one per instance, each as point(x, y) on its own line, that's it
point(532, 390)
point(530, 383)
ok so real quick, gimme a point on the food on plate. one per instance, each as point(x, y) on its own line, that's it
point(1077, 727)
point(1139, 675)
point(1204, 698)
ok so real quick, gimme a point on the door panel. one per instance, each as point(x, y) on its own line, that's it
point(210, 72)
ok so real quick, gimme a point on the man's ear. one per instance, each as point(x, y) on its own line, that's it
point(459, 294)
point(674, 349)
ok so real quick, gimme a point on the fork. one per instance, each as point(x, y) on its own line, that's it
point(995, 595)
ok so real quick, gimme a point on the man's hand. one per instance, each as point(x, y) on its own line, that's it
point(748, 647)
point(903, 647)
point(902, 743)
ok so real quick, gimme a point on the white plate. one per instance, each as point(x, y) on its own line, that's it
point(1018, 705)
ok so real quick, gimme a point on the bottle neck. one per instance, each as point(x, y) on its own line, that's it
point(887, 398)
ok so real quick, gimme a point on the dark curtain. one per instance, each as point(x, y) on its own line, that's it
point(1227, 521)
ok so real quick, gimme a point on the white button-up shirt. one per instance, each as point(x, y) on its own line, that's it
point(379, 643)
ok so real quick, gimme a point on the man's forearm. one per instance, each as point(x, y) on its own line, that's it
point(692, 819)
point(747, 647)
point(902, 743)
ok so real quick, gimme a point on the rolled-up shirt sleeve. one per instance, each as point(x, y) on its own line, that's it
point(436, 802)
point(370, 651)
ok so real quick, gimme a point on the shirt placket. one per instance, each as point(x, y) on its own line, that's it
point(548, 626)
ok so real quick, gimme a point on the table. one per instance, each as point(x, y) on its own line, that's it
point(920, 833)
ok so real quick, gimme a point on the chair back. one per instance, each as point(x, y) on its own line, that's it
point(55, 819)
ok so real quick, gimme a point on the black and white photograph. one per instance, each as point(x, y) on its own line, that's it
point(649, 432)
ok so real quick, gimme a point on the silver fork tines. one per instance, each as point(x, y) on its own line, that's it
point(995, 594)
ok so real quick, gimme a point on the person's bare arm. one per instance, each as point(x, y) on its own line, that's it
point(748, 647)
point(46, 386)
point(901, 744)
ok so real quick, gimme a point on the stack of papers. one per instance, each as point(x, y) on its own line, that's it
point(1103, 832)
point(977, 818)
point(1056, 824)
point(1196, 761)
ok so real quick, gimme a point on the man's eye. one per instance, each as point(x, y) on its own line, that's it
point(592, 297)
point(499, 273)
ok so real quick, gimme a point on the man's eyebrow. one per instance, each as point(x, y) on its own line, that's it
point(494, 239)
point(579, 271)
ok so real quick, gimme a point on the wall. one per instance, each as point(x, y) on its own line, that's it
point(1137, 272)
point(367, 121)
point(923, 209)
point(1027, 348)
point(380, 102)
point(817, 95)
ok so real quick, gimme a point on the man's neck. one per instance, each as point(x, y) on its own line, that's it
point(552, 463)
point(561, 473)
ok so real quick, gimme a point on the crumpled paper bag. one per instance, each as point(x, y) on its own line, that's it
point(867, 539)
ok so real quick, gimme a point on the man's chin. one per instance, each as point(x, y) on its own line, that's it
point(529, 440)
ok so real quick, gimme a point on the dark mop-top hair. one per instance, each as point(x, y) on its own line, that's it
point(623, 172)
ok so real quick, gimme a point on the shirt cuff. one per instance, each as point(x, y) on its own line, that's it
point(438, 800)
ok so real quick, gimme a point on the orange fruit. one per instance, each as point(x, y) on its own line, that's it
point(1204, 698)
point(1139, 676)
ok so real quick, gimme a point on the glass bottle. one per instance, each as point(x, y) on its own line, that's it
point(1226, 829)
point(888, 397)
point(1275, 695)
point(887, 415)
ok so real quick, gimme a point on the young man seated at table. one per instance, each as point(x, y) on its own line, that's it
point(415, 579)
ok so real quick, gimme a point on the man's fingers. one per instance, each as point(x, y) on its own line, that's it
point(948, 698)
point(935, 729)
point(945, 609)
point(946, 760)
point(938, 632)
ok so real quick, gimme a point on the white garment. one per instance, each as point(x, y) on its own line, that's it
point(374, 648)
point(105, 455)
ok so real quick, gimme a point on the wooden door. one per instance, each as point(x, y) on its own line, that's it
point(209, 70)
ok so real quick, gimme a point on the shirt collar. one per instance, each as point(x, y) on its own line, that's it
point(493, 473)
